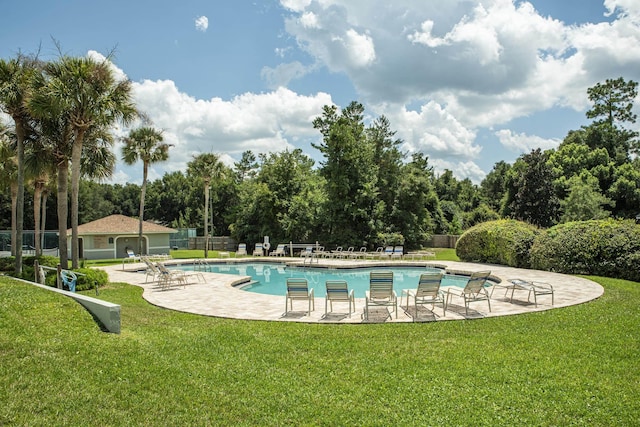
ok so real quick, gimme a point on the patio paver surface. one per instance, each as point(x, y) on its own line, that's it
point(218, 297)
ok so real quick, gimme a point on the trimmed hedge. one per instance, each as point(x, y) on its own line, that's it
point(609, 248)
point(505, 242)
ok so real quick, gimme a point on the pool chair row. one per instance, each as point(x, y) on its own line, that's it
point(167, 278)
point(382, 294)
point(337, 291)
point(380, 252)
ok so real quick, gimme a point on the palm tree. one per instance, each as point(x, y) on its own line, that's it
point(40, 166)
point(87, 95)
point(15, 84)
point(9, 175)
point(206, 166)
point(144, 143)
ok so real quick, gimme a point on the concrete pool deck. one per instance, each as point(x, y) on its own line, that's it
point(218, 296)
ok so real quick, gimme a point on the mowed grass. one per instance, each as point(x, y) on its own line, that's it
point(572, 366)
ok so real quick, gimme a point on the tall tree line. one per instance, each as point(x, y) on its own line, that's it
point(364, 192)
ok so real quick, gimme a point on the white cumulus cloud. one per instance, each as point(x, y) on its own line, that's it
point(524, 143)
point(202, 23)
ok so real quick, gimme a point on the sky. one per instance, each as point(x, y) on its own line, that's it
point(466, 82)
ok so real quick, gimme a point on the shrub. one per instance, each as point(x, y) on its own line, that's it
point(44, 260)
point(7, 264)
point(505, 242)
point(89, 278)
point(92, 279)
point(607, 247)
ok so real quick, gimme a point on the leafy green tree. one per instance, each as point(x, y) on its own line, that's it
point(387, 158)
point(170, 199)
point(144, 144)
point(253, 215)
point(625, 190)
point(460, 197)
point(469, 195)
point(613, 101)
point(584, 200)
point(447, 186)
point(575, 158)
point(247, 167)
point(416, 209)
point(86, 94)
point(453, 216)
point(530, 191)
point(482, 213)
point(493, 186)
point(302, 222)
point(286, 175)
point(613, 108)
point(97, 202)
point(350, 174)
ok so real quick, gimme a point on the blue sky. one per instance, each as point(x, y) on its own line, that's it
point(468, 83)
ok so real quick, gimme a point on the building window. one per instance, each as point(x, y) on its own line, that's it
point(111, 240)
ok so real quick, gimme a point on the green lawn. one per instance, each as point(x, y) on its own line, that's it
point(572, 366)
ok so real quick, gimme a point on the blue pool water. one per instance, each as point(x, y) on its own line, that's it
point(271, 278)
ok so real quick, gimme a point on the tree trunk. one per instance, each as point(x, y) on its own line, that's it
point(143, 191)
point(14, 226)
point(20, 134)
point(76, 155)
point(63, 212)
point(37, 202)
point(206, 219)
point(43, 217)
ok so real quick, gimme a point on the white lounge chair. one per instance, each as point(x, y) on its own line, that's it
point(131, 257)
point(336, 253)
point(380, 292)
point(279, 251)
point(346, 254)
point(360, 254)
point(337, 290)
point(258, 250)
point(177, 277)
point(242, 249)
point(388, 251)
point(298, 289)
point(473, 291)
point(376, 254)
point(427, 292)
point(398, 252)
point(534, 288)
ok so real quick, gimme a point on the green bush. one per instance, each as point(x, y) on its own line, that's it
point(88, 279)
point(92, 279)
point(608, 248)
point(43, 260)
point(7, 264)
point(505, 242)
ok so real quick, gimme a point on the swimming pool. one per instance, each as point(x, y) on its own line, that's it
point(271, 278)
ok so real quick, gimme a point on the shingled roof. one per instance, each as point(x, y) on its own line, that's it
point(120, 224)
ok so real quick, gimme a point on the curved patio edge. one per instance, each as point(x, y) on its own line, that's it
point(218, 296)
